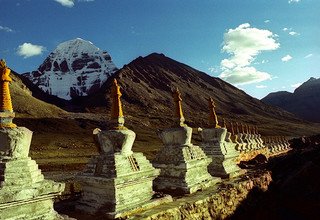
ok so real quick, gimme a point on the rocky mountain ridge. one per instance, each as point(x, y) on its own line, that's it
point(146, 85)
point(75, 68)
point(303, 102)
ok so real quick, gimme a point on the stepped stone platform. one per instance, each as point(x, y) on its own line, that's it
point(184, 166)
point(118, 181)
point(217, 144)
point(24, 193)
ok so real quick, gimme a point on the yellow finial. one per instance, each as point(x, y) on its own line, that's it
point(116, 107)
point(242, 128)
point(213, 119)
point(6, 110)
point(248, 129)
point(224, 125)
point(253, 130)
point(178, 106)
point(231, 127)
point(237, 128)
point(256, 130)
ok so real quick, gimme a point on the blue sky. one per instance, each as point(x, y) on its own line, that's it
point(260, 46)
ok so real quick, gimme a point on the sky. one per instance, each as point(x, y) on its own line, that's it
point(260, 46)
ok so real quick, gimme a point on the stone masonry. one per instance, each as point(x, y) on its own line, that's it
point(118, 180)
point(24, 193)
point(184, 166)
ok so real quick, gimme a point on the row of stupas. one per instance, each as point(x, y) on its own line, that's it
point(119, 181)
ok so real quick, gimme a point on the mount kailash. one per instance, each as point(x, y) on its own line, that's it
point(75, 68)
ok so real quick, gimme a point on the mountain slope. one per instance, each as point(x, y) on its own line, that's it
point(75, 68)
point(147, 83)
point(25, 105)
point(303, 102)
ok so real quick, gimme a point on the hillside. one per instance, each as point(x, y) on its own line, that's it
point(147, 83)
point(26, 105)
point(303, 102)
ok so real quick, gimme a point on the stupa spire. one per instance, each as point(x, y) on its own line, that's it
point(178, 113)
point(213, 119)
point(6, 110)
point(116, 106)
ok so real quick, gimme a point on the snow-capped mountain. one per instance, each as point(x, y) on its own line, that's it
point(75, 68)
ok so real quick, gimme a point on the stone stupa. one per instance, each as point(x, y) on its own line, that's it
point(24, 193)
point(218, 145)
point(117, 181)
point(184, 166)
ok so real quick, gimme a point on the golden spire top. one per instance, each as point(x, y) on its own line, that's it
point(224, 125)
point(242, 128)
point(213, 119)
point(178, 114)
point(6, 110)
point(231, 127)
point(116, 106)
point(253, 130)
point(248, 129)
point(237, 128)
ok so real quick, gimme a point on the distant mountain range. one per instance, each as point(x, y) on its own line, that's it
point(303, 102)
point(75, 68)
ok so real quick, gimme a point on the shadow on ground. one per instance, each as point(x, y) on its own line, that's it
point(295, 190)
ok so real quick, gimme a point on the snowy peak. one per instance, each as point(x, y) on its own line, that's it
point(76, 45)
point(75, 68)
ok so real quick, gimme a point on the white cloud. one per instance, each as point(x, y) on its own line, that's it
point(243, 44)
point(66, 3)
point(293, 1)
point(290, 31)
point(308, 56)
point(293, 33)
point(286, 58)
point(267, 21)
point(261, 86)
point(296, 85)
point(6, 29)
point(28, 50)
point(244, 75)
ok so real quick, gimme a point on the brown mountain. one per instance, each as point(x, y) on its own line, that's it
point(147, 83)
point(303, 102)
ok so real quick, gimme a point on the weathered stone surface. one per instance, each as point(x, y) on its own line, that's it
point(212, 203)
point(114, 141)
point(24, 193)
point(222, 153)
point(184, 166)
point(15, 142)
point(118, 180)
